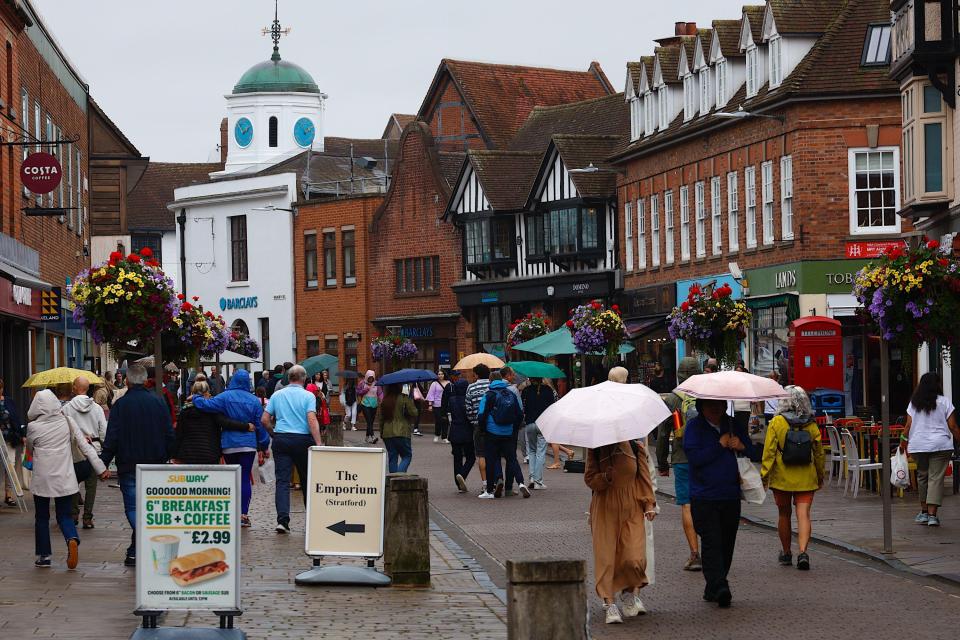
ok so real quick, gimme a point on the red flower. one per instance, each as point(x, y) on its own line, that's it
point(133, 258)
point(933, 244)
point(186, 306)
point(196, 298)
point(152, 263)
point(546, 321)
point(539, 315)
point(695, 289)
point(685, 306)
point(595, 305)
point(180, 296)
point(570, 324)
point(943, 262)
point(146, 252)
point(116, 256)
point(716, 295)
point(529, 316)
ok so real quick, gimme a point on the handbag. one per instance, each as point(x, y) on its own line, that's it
point(83, 470)
point(797, 447)
point(751, 486)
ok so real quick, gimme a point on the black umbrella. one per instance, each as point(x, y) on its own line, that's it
point(347, 374)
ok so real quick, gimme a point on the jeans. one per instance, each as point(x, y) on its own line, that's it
point(350, 414)
point(513, 464)
point(41, 526)
point(89, 497)
point(245, 460)
point(398, 448)
point(931, 467)
point(128, 489)
point(463, 458)
point(536, 451)
point(289, 451)
point(369, 415)
point(497, 447)
point(716, 522)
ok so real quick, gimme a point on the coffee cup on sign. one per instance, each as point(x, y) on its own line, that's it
point(164, 549)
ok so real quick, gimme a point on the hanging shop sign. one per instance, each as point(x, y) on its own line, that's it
point(649, 301)
point(811, 276)
point(41, 172)
point(188, 534)
point(50, 310)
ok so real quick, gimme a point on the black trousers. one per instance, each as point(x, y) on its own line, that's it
point(442, 424)
point(716, 522)
point(369, 415)
point(498, 447)
point(463, 458)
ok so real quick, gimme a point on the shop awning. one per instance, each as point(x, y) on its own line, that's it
point(21, 278)
point(641, 327)
point(788, 300)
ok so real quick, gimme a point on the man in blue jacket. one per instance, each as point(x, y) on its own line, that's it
point(139, 431)
point(500, 415)
point(239, 447)
point(712, 441)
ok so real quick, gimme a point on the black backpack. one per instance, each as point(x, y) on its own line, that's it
point(350, 395)
point(797, 447)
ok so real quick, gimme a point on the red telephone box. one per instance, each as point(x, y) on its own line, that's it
point(816, 351)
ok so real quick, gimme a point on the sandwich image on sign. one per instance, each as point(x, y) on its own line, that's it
point(198, 567)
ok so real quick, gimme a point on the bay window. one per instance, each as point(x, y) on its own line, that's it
point(490, 239)
point(927, 158)
point(564, 231)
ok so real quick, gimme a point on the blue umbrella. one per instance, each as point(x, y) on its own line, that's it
point(403, 376)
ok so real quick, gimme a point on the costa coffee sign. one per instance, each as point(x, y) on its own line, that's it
point(41, 172)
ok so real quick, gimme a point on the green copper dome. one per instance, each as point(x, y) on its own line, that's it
point(276, 75)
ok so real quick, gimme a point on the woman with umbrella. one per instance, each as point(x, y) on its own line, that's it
point(371, 395)
point(396, 425)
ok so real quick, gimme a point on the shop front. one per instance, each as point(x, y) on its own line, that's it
point(434, 334)
point(713, 282)
point(19, 307)
point(645, 313)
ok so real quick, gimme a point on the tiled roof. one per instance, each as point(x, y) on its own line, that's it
point(332, 165)
point(690, 44)
point(804, 16)
point(579, 152)
point(633, 71)
point(147, 203)
point(450, 165)
point(669, 59)
point(706, 37)
point(501, 96)
point(372, 147)
point(754, 13)
point(400, 120)
point(506, 176)
point(728, 34)
point(609, 115)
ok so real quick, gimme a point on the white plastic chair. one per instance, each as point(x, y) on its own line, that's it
point(835, 457)
point(855, 464)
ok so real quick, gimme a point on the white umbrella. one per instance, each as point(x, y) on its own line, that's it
point(732, 385)
point(603, 414)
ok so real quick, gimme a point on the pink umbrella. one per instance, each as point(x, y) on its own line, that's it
point(732, 385)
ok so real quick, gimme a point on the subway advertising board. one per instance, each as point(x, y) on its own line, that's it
point(188, 542)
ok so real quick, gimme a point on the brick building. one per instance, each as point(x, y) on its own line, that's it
point(763, 154)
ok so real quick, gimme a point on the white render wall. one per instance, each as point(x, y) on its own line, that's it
point(269, 253)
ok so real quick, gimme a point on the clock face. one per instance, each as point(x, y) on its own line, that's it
point(243, 132)
point(303, 132)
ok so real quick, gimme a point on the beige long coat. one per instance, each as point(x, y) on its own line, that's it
point(49, 438)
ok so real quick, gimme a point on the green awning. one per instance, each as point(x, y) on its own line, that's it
point(788, 300)
point(557, 343)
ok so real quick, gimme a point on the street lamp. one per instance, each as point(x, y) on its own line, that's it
point(740, 113)
point(271, 207)
point(591, 168)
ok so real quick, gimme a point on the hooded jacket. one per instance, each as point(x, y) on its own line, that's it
point(139, 431)
point(90, 418)
point(487, 404)
point(238, 403)
point(373, 389)
point(50, 439)
point(461, 431)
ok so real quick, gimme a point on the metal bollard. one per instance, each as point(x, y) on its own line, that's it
point(406, 545)
point(546, 599)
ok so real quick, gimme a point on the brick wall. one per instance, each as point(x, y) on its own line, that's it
point(451, 121)
point(816, 135)
point(10, 27)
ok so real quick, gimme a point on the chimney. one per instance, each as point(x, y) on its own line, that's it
point(679, 28)
point(691, 28)
point(223, 141)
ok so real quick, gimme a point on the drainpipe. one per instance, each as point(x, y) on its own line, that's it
point(182, 222)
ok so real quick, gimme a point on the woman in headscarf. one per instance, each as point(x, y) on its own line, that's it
point(794, 470)
point(623, 497)
point(50, 440)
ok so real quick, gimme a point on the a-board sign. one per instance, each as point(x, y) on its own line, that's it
point(188, 537)
point(345, 501)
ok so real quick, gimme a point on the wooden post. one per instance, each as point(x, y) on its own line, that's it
point(546, 598)
point(406, 545)
point(885, 446)
point(335, 431)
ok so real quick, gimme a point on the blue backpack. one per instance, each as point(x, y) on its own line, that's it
point(506, 408)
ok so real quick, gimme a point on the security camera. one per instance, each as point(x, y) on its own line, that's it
point(735, 271)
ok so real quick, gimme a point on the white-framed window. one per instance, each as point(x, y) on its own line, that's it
point(628, 233)
point(716, 225)
point(786, 197)
point(753, 73)
point(668, 226)
point(641, 235)
point(649, 113)
point(874, 190)
point(720, 72)
point(50, 135)
point(689, 97)
point(636, 117)
point(750, 191)
point(663, 107)
point(654, 231)
point(701, 214)
point(684, 223)
point(733, 223)
point(706, 91)
point(766, 192)
point(776, 62)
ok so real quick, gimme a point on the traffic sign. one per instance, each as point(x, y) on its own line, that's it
point(345, 501)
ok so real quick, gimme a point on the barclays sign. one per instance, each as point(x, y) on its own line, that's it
point(238, 303)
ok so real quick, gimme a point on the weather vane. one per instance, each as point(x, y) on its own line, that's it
point(275, 31)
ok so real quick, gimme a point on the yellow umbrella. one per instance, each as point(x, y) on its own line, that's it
point(472, 360)
point(60, 375)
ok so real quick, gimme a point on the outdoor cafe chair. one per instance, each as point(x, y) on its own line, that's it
point(835, 457)
point(855, 464)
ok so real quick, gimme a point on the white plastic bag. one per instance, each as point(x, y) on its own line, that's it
point(268, 471)
point(899, 470)
point(751, 486)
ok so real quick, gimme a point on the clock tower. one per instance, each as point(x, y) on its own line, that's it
point(274, 112)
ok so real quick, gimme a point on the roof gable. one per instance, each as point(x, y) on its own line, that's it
point(725, 40)
point(633, 78)
point(701, 49)
point(506, 177)
point(746, 33)
point(581, 152)
point(683, 66)
point(769, 28)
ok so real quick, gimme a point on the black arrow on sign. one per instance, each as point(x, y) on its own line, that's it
point(343, 528)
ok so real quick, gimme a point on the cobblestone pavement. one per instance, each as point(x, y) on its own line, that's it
point(842, 593)
point(96, 601)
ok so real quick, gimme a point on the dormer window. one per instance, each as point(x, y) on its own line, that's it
point(649, 113)
point(720, 73)
point(689, 97)
point(636, 118)
point(753, 73)
point(663, 107)
point(706, 92)
point(776, 62)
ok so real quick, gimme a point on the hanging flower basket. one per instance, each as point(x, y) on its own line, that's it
point(597, 329)
point(533, 325)
point(194, 332)
point(124, 302)
point(395, 349)
point(712, 323)
point(217, 334)
point(244, 345)
point(912, 295)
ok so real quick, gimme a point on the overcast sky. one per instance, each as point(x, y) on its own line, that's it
point(161, 69)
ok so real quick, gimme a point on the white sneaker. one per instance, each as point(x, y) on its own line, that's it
point(612, 614)
point(524, 491)
point(632, 605)
point(536, 485)
point(461, 483)
point(436, 438)
point(526, 460)
point(486, 495)
point(445, 441)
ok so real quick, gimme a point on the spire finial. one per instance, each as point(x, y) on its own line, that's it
point(275, 31)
